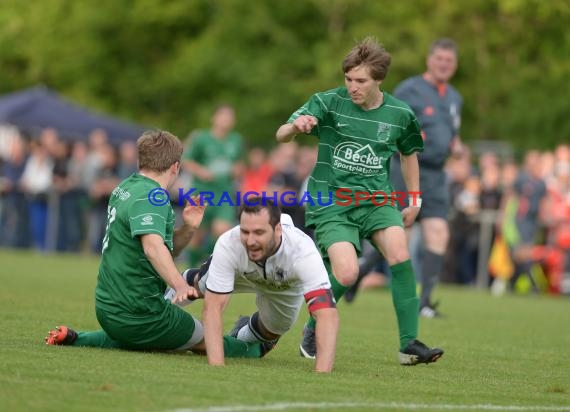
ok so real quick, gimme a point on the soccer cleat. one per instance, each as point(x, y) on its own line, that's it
point(308, 346)
point(171, 293)
point(240, 323)
point(61, 335)
point(265, 346)
point(190, 275)
point(351, 292)
point(417, 352)
point(430, 311)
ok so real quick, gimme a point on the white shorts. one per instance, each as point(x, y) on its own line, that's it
point(278, 309)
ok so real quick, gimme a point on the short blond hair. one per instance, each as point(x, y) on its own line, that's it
point(158, 150)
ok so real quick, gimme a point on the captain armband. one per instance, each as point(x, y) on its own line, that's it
point(320, 299)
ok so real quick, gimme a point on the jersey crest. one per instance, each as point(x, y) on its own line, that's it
point(383, 132)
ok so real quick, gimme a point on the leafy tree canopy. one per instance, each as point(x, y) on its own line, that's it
point(169, 63)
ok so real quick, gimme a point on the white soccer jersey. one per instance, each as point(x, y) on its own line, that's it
point(294, 270)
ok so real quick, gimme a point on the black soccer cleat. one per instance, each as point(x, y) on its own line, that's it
point(308, 346)
point(416, 352)
point(351, 292)
point(265, 346)
point(240, 323)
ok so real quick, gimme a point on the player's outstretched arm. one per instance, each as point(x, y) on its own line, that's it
point(161, 259)
point(214, 304)
point(302, 124)
point(321, 305)
point(326, 333)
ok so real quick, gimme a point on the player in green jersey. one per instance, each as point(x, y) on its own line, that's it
point(137, 264)
point(214, 159)
point(359, 128)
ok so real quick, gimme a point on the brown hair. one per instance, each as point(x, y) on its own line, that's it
point(254, 205)
point(158, 150)
point(371, 54)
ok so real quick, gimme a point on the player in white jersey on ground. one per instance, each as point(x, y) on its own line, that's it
point(267, 255)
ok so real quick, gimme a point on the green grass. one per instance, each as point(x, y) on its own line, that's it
point(511, 351)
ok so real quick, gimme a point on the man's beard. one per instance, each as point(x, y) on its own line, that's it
point(271, 249)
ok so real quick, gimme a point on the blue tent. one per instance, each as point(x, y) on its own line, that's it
point(34, 109)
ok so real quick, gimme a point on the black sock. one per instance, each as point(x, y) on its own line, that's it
point(432, 265)
point(190, 275)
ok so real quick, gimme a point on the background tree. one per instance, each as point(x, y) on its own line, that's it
point(167, 64)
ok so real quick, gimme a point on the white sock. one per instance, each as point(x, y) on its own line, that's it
point(245, 334)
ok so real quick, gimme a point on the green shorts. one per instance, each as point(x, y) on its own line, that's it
point(171, 329)
point(351, 224)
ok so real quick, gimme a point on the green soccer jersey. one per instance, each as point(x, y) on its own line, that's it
point(355, 145)
point(218, 155)
point(127, 282)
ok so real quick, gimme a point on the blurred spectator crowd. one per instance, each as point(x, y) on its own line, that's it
point(54, 192)
point(510, 222)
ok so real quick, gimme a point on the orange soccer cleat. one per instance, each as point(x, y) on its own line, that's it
point(61, 335)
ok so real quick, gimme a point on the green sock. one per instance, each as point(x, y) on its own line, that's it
point(405, 300)
point(311, 323)
point(235, 348)
point(337, 290)
point(97, 339)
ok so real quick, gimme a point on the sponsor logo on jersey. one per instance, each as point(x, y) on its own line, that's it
point(383, 132)
point(280, 274)
point(147, 220)
point(121, 193)
point(354, 157)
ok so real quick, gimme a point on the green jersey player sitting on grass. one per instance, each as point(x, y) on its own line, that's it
point(137, 264)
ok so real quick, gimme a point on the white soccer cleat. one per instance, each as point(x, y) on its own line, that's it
point(169, 295)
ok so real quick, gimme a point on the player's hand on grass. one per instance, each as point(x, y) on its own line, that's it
point(305, 123)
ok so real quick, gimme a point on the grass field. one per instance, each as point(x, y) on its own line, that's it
point(510, 353)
